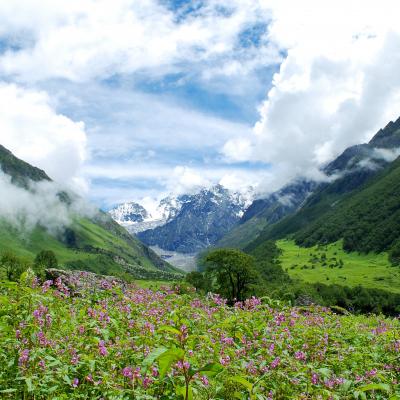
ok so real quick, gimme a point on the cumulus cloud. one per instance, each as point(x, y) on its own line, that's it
point(39, 206)
point(36, 133)
point(81, 40)
point(337, 86)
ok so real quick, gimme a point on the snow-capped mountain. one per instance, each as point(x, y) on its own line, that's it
point(129, 213)
point(201, 221)
point(186, 223)
point(136, 218)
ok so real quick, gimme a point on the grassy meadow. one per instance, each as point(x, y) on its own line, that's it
point(331, 265)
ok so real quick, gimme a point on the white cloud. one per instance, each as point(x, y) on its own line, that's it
point(83, 39)
point(40, 205)
point(338, 84)
point(34, 132)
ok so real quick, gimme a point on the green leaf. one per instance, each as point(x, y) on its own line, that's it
point(181, 391)
point(243, 381)
point(166, 359)
point(358, 395)
point(29, 384)
point(211, 369)
point(375, 386)
point(152, 356)
point(67, 379)
point(325, 372)
point(170, 329)
point(8, 390)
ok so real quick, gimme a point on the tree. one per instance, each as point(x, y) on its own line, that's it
point(46, 259)
point(13, 265)
point(199, 280)
point(233, 272)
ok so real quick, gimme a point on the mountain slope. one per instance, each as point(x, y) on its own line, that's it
point(368, 220)
point(20, 171)
point(361, 207)
point(349, 171)
point(200, 222)
point(267, 211)
point(95, 242)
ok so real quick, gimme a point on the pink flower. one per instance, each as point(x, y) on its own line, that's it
point(204, 380)
point(371, 373)
point(314, 378)
point(23, 358)
point(102, 348)
point(46, 285)
point(225, 360)
point(275, 363)
point(128, 372)
point(146, 382)
point(300, 355)
point(75, 382)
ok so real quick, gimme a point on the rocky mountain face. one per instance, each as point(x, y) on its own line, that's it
point(280, 203)
point(347, 172)
point(356, 183)
point(129, 212)
point(202, 220)
point(135, 218)
point(188, 223)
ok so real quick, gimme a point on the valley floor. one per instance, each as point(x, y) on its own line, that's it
point(331, 265)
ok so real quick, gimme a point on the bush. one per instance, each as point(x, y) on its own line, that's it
point(13, 266)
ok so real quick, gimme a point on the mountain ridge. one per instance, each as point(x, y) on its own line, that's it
point(199, 220)
point(347, 172)
point(92, 242)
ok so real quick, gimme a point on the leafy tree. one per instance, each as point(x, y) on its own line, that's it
point(13, 265)
point(45, 259)
point(233, 273)
point(199, 280)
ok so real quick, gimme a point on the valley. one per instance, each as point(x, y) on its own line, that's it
point(199, 200)
point(330, 264)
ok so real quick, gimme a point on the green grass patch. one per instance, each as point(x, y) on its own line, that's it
point(331, 265)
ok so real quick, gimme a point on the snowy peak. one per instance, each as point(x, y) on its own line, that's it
point(129, 213)
point(203, 218)
point(186, 223)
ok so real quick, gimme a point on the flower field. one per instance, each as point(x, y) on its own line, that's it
point(134, 343)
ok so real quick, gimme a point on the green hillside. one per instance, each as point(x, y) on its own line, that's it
point(367, 219)
point(95, 244)
point(242, 235)
point(20, 171)
point(332, 265)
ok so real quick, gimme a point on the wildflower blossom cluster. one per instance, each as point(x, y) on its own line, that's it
point(138, 343)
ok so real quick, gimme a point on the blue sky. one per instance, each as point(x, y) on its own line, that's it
point(130, 99)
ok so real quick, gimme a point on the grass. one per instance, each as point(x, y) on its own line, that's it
point(96, 249)
point(331, 265)
point(152, 285)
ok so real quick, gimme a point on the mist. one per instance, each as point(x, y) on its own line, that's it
point(40, 205)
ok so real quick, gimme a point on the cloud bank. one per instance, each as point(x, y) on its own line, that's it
point(83, 40)
point(39, 206)
point(337, 86)
point(32, 129)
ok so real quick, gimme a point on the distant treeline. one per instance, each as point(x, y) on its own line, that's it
point(265, 277)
